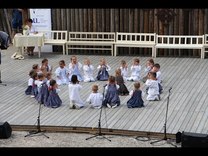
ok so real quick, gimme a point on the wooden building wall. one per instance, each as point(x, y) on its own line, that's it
point(160, 21)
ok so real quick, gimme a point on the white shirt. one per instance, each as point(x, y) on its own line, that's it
point(88, 71)
point(158, 76)
point(30, 82)
point(124, 72)
point(74, 94)
point(95, 99)
point(108, 68)
point(62, 75)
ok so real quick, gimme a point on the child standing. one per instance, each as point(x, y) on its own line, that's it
point(124, 69)
point(88, 71)
point(136, 100)
point(153, 87)
point(75, 68)
point(62, 74)
point(53, 100)
point(111, 99)
point(95, 99)
point(75, 100)
point(103, 68)
point(120, 81)
point(135, 71)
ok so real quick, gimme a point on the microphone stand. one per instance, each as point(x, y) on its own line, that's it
point(165, 134)
point(32, 133)
point(100, 135)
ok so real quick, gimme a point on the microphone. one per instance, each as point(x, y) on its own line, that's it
point(170, 89)
point(105, 85)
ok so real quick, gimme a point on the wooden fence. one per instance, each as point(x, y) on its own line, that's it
point(160, 21)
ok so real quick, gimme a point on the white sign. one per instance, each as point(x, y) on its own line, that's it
point(42, 22)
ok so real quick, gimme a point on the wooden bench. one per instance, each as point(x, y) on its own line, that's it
point(56, 37)
point(145, 40)
point(91, 41)
point(179, 42)
point(205, 50)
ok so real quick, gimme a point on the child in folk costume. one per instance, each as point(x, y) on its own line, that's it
point(34, 86)
point(95, 99)
point(41, 79)
point(62, 74)
point(88, 71)
point(53, 100)
point(111, 96)
point(45, 67)
point(48, 78)
point(75, 68)
point(75, 100)
point(28, 91)
point(136, 100)
point(36, 68)
point(120, 81)
point(153, 87)
point(148, 68)
point(124, 69)
point(103, 68)
point(156, 69)
point(135, 71)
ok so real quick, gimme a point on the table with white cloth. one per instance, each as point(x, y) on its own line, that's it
point(21, 41)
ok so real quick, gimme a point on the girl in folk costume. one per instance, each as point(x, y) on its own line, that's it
point(45, 67)
point(95, 99)
point(53, 100)
point(136, 100)
point(135, 70)
point(75, 100)
point(62, 74)
point(28, 91)
point(103, 68)
point(111, 97)
point(88, 71)
point(75, 68)
point(124, 69)
point(120, 81)
point(153, 87)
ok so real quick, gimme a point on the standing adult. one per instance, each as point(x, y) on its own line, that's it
point(16, 21)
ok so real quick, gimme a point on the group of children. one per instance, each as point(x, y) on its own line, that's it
point(45, 89)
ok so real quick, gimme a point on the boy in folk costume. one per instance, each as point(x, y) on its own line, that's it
point(75, 68)
point(62, 74)
point(95, 99)
point(153, 87)
point(124, 70)
point(135, 71)
point(88, 71)
point(75, 101)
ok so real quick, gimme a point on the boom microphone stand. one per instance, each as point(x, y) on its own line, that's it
point(165, 135)
point(32, 133)
point(99, 124)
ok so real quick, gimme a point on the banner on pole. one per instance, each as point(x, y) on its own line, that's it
point(42, 22)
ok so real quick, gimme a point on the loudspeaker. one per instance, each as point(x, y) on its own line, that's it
point(194, 140)
point(5, 130)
